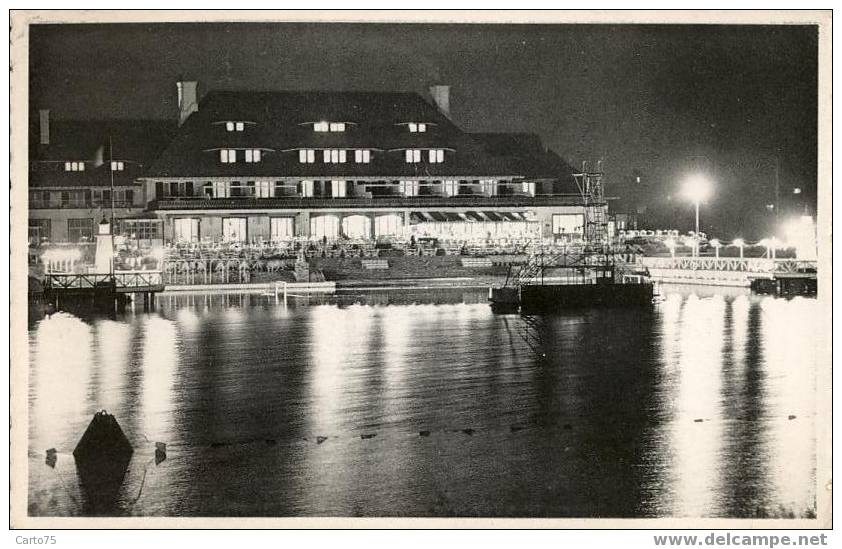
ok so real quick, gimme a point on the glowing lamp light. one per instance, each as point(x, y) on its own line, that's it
point(670, 243)
point(800, 234)
point(696, 189)
point(716, 245)
point(739, 242)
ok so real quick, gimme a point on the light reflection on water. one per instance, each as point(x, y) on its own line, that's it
point(415, 403)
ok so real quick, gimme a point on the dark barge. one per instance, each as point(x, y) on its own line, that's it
point(578, 282)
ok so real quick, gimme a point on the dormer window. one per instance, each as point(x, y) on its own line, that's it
point(227, 156)
point(436, 156)
point(362, 156)
point(74, 166)
point(413, 156)
point(335, 156)
point(252, 155)
point(117, 166)
point(235, 126)
point(417, 127)
point(306, 156)
point(329, 126)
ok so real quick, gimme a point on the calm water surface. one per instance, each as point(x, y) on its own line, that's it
point(701, 406)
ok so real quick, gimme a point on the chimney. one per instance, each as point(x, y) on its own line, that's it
point(44, 120)
point(441, 97)
point(187, 100)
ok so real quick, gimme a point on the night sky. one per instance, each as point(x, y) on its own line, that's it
point(654, 102)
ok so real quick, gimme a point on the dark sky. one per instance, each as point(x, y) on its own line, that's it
point(655, 101)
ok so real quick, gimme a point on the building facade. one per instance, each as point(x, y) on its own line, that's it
point(268, 166)
point(242, 166)
point(84, 171)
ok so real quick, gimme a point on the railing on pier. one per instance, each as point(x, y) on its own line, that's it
point(121, 281)
point(731, 264)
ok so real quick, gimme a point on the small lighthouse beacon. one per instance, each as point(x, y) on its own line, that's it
point(104, 248)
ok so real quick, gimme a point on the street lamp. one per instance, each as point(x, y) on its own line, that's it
point(739, 242)
point(716, 245)
point(670, 243)
point(696, 189)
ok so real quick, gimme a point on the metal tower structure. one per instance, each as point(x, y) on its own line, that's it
point(592, 189)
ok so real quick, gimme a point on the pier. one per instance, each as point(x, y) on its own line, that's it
point(736, 272)
point(104, 289)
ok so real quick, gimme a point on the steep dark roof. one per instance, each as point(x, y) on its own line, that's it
point(282, 124)
point(527, 154)
point(135, 142)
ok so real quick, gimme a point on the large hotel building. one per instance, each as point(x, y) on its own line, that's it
point(267, 166)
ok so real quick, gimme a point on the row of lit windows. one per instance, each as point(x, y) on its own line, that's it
point(434, 156)
point(339, 156)
point(334, 156)
point(332, 127)
point(116, 166)
point(229, 156)
point(329, 127)
point(81, 198)
point(333, 188)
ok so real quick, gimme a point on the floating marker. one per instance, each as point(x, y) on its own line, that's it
point(468, 432)
point(370, 435)
point(102, 458)
point(424, 433)
point(320, 439)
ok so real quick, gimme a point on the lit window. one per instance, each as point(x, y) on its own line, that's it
point(227, 156)
point(409, 188)
point(220, 189)
point(321, 126)
point(413, 156)
point(240, 126)
point(282, 228)
point(451, 187)
point(335, 156)
point(74, 166)
point(529, 188)
point(306, 156)
point(362, 156)
point(337, 126)
point(234, 229)
point(337, 189)
point(229, 126)
point(235, 126)
point(422, 128)
point(117, 166)
point(186, 229)
point(263, 189)
point(306, 189)
point(252, 155)
point(436, 156)
point(415, 127)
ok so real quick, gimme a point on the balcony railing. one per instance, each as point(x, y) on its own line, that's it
point(295, 202)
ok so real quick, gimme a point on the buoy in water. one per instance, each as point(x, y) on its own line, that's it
point(102, 458)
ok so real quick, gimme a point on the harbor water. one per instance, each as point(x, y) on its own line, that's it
point(424, 403)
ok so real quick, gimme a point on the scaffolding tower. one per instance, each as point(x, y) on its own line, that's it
point(592, 190)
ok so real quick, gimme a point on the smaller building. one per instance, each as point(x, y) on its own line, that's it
point(84, 171)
